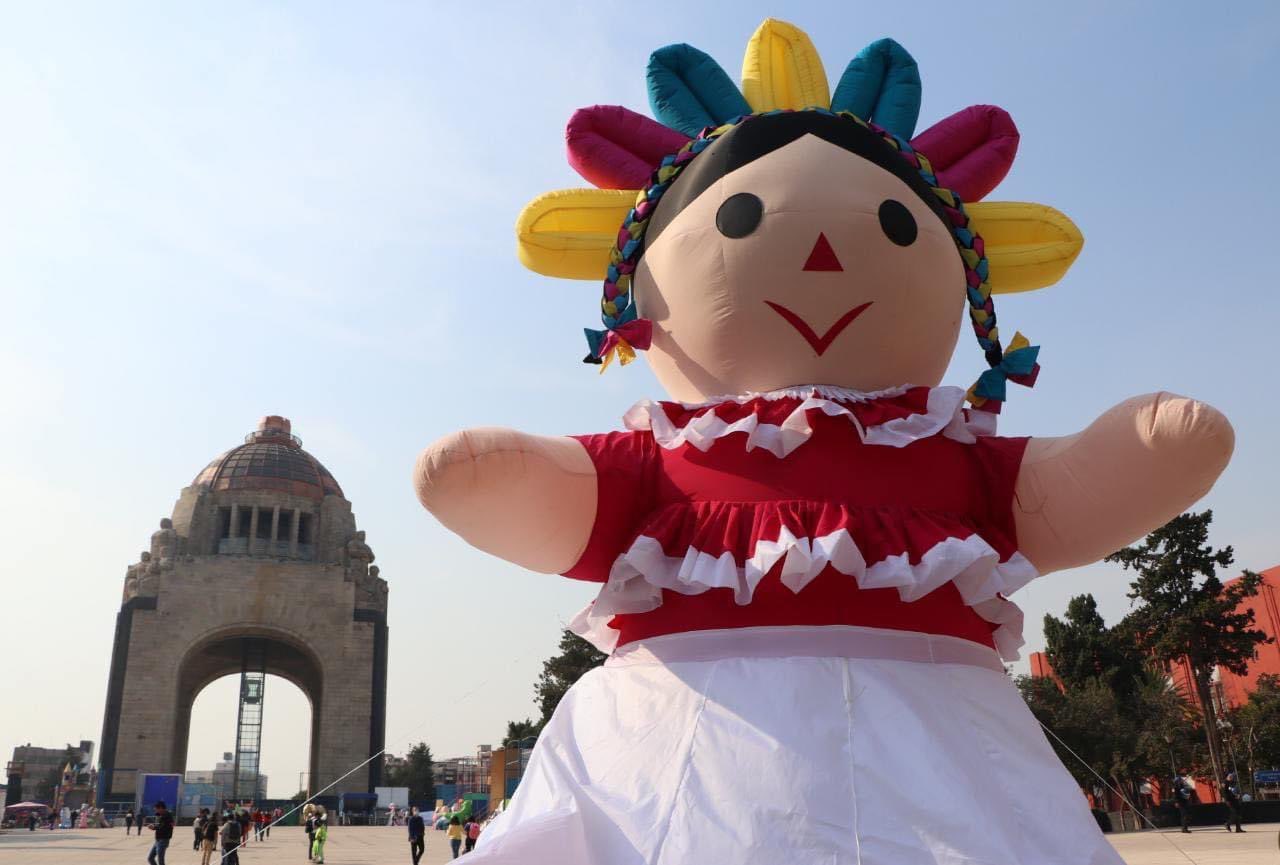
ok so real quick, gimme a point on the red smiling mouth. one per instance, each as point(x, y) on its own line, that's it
point(819, 343)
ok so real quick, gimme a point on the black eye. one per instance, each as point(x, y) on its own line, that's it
point(739, 215)
point(897, 222)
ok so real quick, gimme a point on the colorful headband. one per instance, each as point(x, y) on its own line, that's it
point(1005, 247)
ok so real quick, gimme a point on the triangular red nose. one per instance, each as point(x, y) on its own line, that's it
point(823, 256)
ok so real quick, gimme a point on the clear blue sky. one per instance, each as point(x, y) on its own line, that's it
point(212, 213)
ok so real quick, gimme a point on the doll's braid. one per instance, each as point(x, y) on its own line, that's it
point(1018, 362)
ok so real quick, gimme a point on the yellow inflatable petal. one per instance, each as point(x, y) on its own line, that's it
point(569, 233)
point(782, 69)
point(1028, 246)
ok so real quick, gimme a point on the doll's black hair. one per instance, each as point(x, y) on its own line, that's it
point(765, 134)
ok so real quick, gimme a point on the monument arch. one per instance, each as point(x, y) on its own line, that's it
point(260, 570)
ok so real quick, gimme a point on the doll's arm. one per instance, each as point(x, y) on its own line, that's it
point(1084, 496)
point(525, 498)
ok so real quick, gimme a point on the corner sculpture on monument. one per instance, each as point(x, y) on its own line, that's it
point(805, 555)
point(261, 560)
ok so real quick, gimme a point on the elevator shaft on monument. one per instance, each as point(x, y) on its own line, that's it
point(253, 681)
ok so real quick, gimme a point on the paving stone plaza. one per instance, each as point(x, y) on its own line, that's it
point(378, 845)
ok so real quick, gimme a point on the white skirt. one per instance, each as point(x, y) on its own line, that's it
point(795, 746)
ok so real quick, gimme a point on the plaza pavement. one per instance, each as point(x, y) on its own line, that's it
point(380, 845)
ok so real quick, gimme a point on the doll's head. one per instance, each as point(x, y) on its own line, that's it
point(770, 241)
point(799, 248)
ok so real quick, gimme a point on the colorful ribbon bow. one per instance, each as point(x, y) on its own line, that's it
point(620, 340)
point(1017, 365)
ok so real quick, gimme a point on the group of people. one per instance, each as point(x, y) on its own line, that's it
point(316, 823)
point(1184, 794)
point(67, 818)
point(233, 830)
point(230, 830)
point(462, 836)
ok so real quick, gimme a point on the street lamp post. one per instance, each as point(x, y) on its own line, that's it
point(1253, 778)
point(1231, 747)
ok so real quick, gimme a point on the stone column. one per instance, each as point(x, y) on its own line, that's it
point(293, 535)
point(235, 521)
point(253, 528)
point(275, 526)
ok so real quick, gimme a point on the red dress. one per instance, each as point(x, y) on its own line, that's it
point(807, 506)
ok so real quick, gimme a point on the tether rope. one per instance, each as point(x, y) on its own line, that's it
point(245, 841)
point(1163, 835)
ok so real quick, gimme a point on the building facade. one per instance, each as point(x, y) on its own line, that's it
point(221, 779)
point(260, 567)
point(1235, 690)
point(35, 773)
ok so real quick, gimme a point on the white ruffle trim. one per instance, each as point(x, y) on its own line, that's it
point(944, 414)
point(640, 574)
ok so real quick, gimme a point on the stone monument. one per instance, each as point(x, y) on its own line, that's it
point(261, 557)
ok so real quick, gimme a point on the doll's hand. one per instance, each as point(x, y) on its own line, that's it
point(1083, 496)
point(528, 499)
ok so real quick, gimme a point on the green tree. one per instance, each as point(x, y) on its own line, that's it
point(559, 672)
point(1084, 723)
point(1168, 735)
point(1081, 649)
point(417, 773)
point(1185, 612)
point(1110, 703)
point(1255, 726)
point(518, 731)
point(1123, 742)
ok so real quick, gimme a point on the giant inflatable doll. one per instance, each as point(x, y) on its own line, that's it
point(806, 552)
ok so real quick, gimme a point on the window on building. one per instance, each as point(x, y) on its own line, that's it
point(224, 522)
point(304, 528)
point(285, 531)
point(246, 519)
point(264, 523)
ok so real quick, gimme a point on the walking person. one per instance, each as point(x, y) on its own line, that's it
point(197, 828)
point(1231, 796)
point(417, 835)
point(276, 815)
point(310, 826)
point(208, 837)
point(163, 827)
point(322, 835)
point(454, 834)
point(1182, 799)
point(230, 839)
point(472, 830)
point(128, 822)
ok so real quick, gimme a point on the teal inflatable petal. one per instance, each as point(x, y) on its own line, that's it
point(688, 91)
point(882, 84)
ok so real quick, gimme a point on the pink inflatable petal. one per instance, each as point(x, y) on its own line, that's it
point(971, 150)
point(615, 148)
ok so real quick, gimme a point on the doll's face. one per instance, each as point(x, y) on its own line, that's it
point(809, 265)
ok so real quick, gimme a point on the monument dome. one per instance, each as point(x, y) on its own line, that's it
point(271, 458)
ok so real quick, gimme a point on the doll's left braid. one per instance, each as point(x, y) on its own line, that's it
point(1018, 362)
